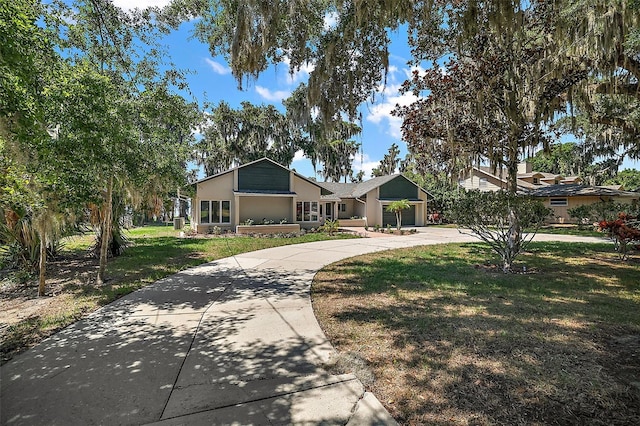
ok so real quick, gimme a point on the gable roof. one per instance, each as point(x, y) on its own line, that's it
point(329, 190)
point(356, 190)
point(339, 190)
point(323, 190)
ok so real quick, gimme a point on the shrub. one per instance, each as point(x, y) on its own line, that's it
point(189, 231)
point(330, 226)
point(624, 231)
point(498, 218)
point(602, 211)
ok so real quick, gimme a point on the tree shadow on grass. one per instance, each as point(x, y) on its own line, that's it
point(451, 343)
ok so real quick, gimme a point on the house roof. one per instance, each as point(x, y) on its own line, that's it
point(329, 190)
point(254, 162)
point(355, 190)
point(528, 175)
point(577, 190)
point(338, 189)
point(522, 184)
point(373, 183)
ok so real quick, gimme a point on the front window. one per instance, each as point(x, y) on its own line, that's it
point(226, 211)
point(204, 212)
point(307, 211)
point(215, 211)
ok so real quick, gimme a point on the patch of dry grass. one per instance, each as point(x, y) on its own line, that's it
point(450, 341)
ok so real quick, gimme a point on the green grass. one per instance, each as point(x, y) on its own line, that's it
point(453, 340)
point(571, 230)
point(155, 252)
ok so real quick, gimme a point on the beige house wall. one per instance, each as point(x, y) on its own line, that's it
point(561, 213)
point(374, 208)
point(306, 191)
point(271, 208)
point(349, 208)
point(360, 208)
point(421, 210)
point(218, 189)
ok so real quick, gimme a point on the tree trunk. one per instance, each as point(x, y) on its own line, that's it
point(515, 233)
point(43, 257)
point(513, 242)
point(106, 232)
point(398, 220)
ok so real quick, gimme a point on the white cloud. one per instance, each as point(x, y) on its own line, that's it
point(380, 113)
point(390, 96)
point(140, 4)
point(367, 165)
point(300, 75)
point(217, 68)
point(276, 95)
point(299, 156)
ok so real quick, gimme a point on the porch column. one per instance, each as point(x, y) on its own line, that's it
point(294, 203)
point(236, 211)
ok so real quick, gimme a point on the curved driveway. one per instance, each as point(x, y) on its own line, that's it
point(234, 341)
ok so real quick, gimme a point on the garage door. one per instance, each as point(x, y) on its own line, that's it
point(408, 217)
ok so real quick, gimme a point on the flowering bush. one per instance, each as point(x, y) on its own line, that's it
point(624, 232)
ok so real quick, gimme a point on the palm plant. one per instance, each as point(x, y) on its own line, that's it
point(397, 207)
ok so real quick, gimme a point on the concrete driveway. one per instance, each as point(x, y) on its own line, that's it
point(234, 341)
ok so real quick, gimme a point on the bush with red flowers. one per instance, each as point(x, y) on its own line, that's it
point(624, 231)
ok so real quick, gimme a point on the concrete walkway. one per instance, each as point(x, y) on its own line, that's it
point(230, 342)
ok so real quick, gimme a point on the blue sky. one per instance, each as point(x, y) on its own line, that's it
point(210, 80)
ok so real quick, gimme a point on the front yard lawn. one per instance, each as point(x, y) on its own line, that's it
point(449, 339)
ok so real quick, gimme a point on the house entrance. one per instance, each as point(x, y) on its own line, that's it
point(328, 211)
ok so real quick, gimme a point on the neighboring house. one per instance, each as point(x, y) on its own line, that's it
point(487, 179)
point(557, 192)
point(265, 190)
point(562, 197)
